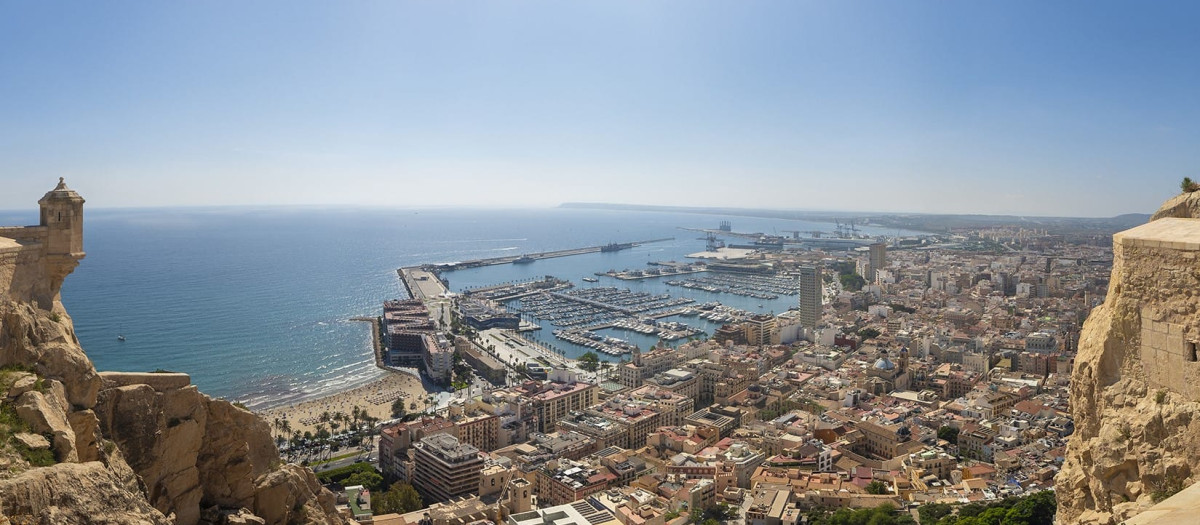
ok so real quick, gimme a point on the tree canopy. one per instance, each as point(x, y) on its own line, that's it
point(948, 433)
point(589, 361)
point(876, 487)
point(399, 498)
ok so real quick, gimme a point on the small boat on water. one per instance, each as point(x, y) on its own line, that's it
point(120, 338)
point(591, 280)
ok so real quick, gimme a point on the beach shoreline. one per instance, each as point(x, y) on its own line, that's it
point(375, 397)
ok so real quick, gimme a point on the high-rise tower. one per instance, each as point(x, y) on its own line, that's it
point(810, 296)
point(877, 260)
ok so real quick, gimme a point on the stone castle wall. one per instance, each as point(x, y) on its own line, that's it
point(1135, 388)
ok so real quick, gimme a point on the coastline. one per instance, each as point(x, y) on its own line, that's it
point(375, 397)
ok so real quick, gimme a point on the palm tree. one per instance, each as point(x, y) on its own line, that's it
point(294, 444)
point(325, 416)
point(322, 438)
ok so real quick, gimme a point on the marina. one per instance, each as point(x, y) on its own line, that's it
point(578, 313)
point(516, 286)
point(515, 290)
point(597, 307)
point(756, 286)
point(659, 269)
point(587, 338)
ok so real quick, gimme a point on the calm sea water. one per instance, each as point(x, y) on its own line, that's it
point(256, 304)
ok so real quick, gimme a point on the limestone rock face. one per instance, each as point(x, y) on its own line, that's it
point(1135, 388)
point(1184, 205)
point(87, 434)
point(194, 452)
point(161, 445)
point(45, 415)
point(77, 493)
point(185, 451)
point(21, 383)
point(282, 492)
point(46, 342)
point(237, 450)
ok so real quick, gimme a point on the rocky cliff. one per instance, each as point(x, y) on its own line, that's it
point(1135, 388)
point(81, 447)
point(133, 448)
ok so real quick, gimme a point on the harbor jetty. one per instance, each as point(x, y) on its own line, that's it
point(532, 257)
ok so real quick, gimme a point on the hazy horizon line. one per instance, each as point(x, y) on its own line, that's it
point(611, 206)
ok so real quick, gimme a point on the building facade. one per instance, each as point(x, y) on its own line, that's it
point(445, 469)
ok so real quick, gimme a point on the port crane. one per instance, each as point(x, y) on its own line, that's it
point(846, 228)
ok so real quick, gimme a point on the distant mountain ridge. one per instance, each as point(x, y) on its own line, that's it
point(910, 221)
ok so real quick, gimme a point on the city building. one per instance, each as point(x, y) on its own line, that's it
point(476, 427)
point(482, 314)
point(438, 356)
point(406, 326)
point(876, 260)
point(1041, 343)
point(644, 365)
point(577, 513)
point(567, 481)
point(681, 382)
point(723, 419)
point(810, 296)
point(761, 330)
point(445, 469)
point(395, 441)
point(553, 400)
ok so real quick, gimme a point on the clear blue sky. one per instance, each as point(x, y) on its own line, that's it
point(1067, 108)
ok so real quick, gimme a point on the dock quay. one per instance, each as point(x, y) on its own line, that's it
point(630, 323)
point(531, 257)
point(828, 242)
point(516, 290)
point(422, 283)
point(661, 269)
point(747, 285)
point(593, 306)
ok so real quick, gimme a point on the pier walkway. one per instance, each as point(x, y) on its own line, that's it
point(421, 283)
point(657, 315)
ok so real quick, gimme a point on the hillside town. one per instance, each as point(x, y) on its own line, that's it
point(941, 378)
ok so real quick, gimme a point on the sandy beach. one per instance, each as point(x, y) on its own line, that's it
point(376, 397)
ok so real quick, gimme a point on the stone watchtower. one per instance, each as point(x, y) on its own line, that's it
point(62, 217)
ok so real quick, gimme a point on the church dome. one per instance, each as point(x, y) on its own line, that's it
point(883, 363)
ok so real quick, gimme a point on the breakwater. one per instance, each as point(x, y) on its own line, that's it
point(531, 257)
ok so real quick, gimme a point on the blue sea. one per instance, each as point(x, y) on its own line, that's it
point(256, 304)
